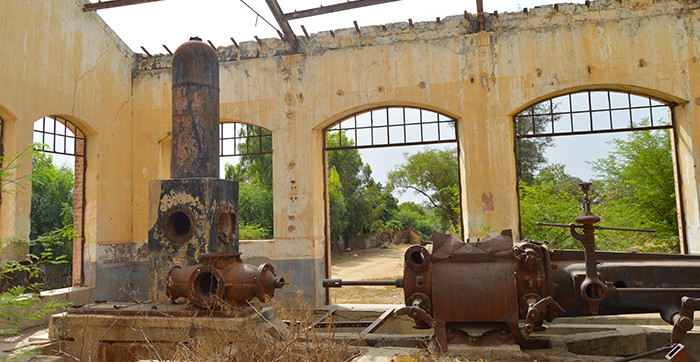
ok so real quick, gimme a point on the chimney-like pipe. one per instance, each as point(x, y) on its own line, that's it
point(195, 88)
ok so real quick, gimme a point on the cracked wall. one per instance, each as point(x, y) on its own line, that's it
point(59, 60)
point(481, 79)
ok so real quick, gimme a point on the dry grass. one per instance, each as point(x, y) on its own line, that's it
point(206, 339)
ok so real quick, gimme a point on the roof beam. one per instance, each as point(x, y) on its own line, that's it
point(332, 8)
point(113, 4)
point(289, 36)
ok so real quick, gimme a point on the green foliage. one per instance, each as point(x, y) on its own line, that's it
point(20, 303)
point(432, 173)
point(253, 232)
point(254, 174)
point(635, 189)
point(413, 216)
point(52, 217)
point(358, 204)
point(255, 208)
point(553, 197)
point(530, 151)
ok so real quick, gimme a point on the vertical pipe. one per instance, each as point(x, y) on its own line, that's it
point(195, 112)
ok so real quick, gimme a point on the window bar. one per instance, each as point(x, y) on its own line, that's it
point(43, 134)
point(65, 140)
point(629, 103)
point(551, 113)
point(571, 113)
point(590, 110)
point(420, 112)
point(438, 126)
point(54, 134)
point(371, 128)
point(355, 118)
point(388, 140)
point(651, 114)
point(610, 110)
point(404, 124)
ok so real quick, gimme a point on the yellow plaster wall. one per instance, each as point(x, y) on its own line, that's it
point(481, 79)
point(63, 61)
point(58, 60)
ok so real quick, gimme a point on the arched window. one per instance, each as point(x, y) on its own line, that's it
point(246, 156)
point(623, 143)
point(392, 175)
point(58, 196)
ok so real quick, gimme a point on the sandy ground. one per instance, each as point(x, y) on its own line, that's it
point(370, 264)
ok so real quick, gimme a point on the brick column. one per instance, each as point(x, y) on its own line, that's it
point(79, 208)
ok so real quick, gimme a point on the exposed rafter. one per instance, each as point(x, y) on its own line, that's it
point(332, 8)
point(113, 4)
point(289, 36)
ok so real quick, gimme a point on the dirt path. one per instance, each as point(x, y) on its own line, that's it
point(370, 264)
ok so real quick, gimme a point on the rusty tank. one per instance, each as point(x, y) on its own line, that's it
point(494, 284)
point(195, 111)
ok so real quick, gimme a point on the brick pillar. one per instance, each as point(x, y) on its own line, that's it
point(79, 208)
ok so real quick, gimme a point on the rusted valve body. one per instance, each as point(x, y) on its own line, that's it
point(463, 285)
point(223, 279)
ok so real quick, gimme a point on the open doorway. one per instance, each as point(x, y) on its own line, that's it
point(58, 202)
point(392, 180)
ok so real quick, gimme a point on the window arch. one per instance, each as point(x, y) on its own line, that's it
point(595, 111)
point(251, 148)
point(579, 116)
point(59, 136)
point(391, 127)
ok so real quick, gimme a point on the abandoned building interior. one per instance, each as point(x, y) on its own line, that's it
point(68, 81)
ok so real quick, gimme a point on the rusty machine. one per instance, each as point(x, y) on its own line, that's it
point(194, 214)
point(461, 287)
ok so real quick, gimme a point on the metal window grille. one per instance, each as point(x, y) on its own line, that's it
point(240, 139)
point(389, 127)
point(59, 136)
point(591, 112)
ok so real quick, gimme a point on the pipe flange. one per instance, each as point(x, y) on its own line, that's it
point(417, 257)
point(260, 290)
point(206, 286)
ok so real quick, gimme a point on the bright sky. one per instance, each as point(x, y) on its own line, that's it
point(172, 22)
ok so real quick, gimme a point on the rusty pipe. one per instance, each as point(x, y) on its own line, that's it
point(223, 279)
point(195, 111)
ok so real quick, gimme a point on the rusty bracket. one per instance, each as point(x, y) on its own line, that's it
point(537, 312)
point(679, 354)
point(378, 322)
point(683, 321)
point(323, 318)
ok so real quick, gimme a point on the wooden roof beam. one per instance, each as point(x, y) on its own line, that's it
point(113, 4)
point(332, 8)
point(289, 36)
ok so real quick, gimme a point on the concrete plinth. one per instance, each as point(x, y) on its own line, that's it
point(131, 332)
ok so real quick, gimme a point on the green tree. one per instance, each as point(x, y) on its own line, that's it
point(52, 195)
point(52, 209)
point(552, 196)
point(637, 188)
point(432, 173)
point(358, 204)
point(254, 174)
point(22, 302)
point(530, 151)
